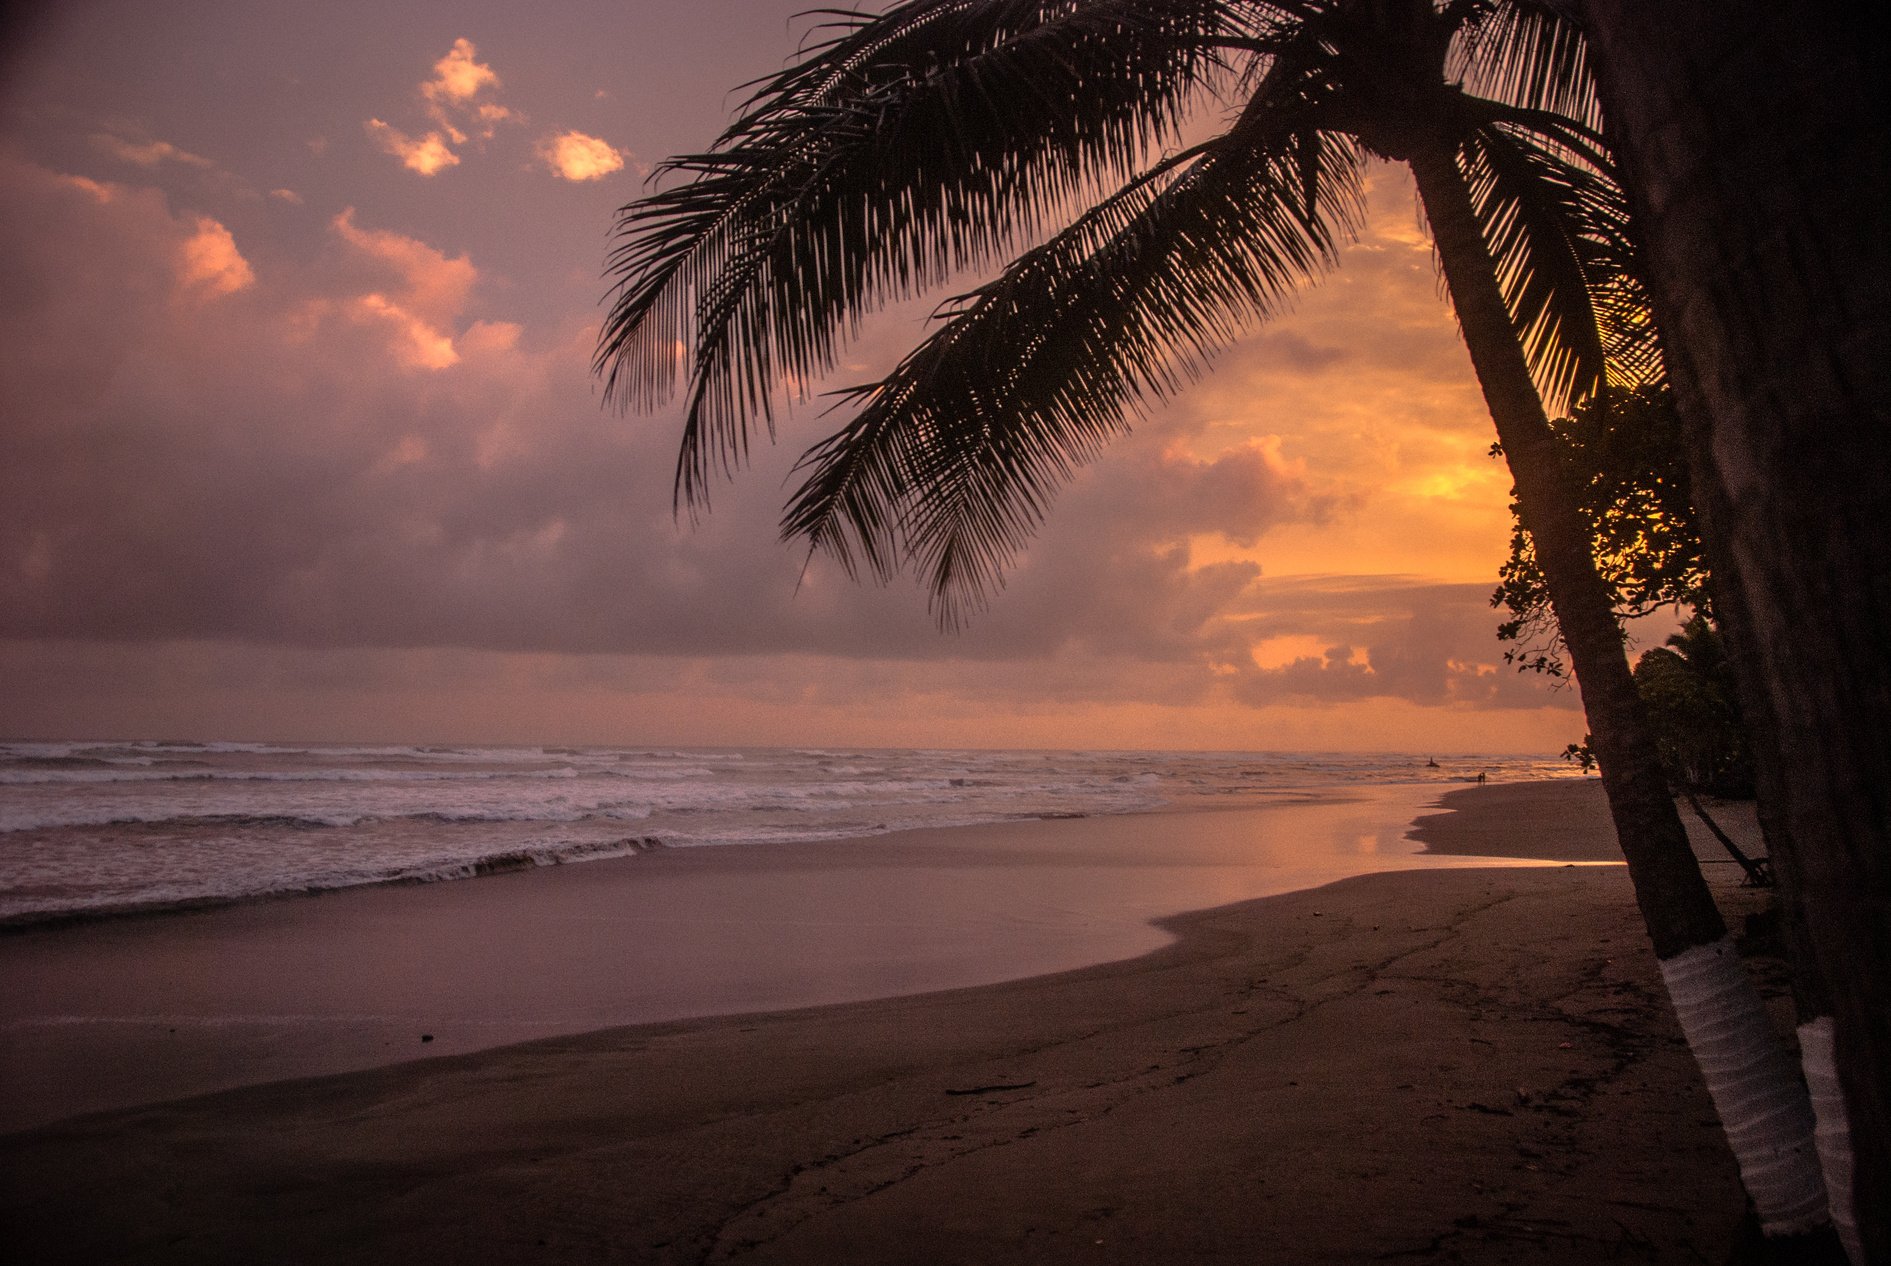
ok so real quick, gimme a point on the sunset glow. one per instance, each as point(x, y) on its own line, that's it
point(301, 439)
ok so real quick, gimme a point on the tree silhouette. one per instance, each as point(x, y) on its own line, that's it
point(1629, 460)
point(1692, 705)
point(935, 138)
point(1760, 165)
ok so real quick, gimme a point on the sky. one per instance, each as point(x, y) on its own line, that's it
point(299, 440)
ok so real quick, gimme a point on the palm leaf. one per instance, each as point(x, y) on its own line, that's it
point(952, 459)
point(1528, 53)
point(1554, 214)
point(907, 146)
point(1557, 230)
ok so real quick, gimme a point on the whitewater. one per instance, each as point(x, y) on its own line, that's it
point(98, 828)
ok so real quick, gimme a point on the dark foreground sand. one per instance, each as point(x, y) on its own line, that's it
point(1467, 1065)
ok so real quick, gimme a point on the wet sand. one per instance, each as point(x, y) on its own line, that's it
point(125, 1011)
point(1459, 1065)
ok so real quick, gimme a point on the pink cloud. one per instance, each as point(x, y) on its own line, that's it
point(349, 451)
point(459, 79)
point(435, 282)
point(576, 157)
point(212, 265)
point(147, 154)
point(427, 155)
point(455, 98)
point(420, 295)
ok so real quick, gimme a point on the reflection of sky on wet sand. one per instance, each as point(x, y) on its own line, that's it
point(153, 1008)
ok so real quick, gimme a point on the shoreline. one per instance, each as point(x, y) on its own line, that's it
point(1472, 1064)
point(112, 1013)
point(1568, 821)
point(525, 860)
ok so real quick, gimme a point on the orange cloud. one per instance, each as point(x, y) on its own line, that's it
point(452, 99)
point(211, 264)
point(432, 283)
point(99, 191)
point(424, 154)
point(147, 153)
point(490, 337)
point(415, 344)
point(575, 156)
point(458, 78)
point(1367, 384)
point(429, 293)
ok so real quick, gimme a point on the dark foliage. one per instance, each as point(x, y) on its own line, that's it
point(1688, 690)
point(1625, 449)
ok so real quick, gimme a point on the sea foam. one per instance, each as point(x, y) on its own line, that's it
point(90, 827)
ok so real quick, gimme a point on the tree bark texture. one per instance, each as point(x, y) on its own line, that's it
point(1752, 142)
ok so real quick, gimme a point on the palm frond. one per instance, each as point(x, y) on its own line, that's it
point(950, 464)
point(896, 151)
point(1528, 53)
point(1557, 230)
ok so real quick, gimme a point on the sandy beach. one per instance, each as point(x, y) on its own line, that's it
point(1449, 1065)
point(118, 1012)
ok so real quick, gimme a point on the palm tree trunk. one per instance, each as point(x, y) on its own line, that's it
point(1811, 997)
point(1762, 1104)
point(1759, 181)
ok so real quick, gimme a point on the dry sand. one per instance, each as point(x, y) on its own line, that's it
point(1468, 1065)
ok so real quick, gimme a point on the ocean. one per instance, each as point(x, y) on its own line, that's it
point(90, 829)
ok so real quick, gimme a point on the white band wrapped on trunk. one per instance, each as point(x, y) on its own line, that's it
point(1762, 1103)
point(1834, 1133)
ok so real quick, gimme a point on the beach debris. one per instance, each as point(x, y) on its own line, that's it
point(426, 1037)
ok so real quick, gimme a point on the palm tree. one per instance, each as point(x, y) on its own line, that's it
point(1755, 138)
point(931, 139)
